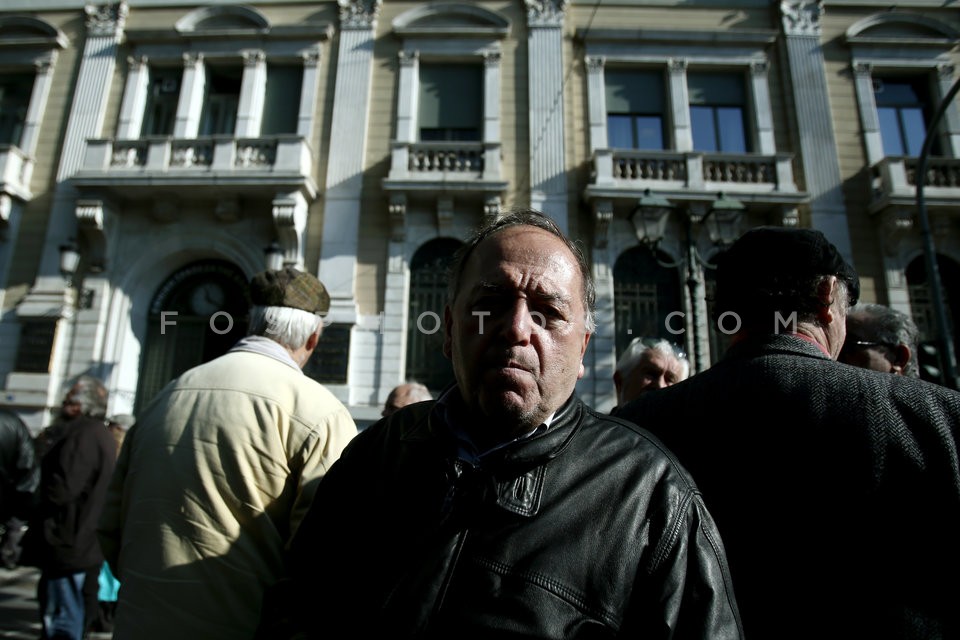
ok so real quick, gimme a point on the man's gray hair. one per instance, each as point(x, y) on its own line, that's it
point(91, 394)
point(640, 345)
point(879, 323)
point(289, 327)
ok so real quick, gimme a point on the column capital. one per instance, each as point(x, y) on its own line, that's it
point(545, 13)
point(358, 14)
point(107, 20)
point(801, 17)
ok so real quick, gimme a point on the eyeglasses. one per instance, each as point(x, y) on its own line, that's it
point(865, 344)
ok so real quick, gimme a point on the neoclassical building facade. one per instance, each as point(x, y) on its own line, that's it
point(156, 154)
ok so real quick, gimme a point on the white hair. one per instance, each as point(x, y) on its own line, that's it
point(640, 345)
point(286, 326)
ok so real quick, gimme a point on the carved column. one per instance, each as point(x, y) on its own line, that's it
point(548, 185)
point(134, 98)
point(190, 103)
point(348, 130)
point(253, 90)
point(817, 141)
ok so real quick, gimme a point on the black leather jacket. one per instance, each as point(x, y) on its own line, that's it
point(588, 530)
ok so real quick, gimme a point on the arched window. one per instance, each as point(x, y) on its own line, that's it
point(644, 293)
point(428, 293)
point(195, 316)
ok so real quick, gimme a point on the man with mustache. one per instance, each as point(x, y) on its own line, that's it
point(508, 508)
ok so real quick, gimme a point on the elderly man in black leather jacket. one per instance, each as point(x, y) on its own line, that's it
point(508, 508)
point(837, 488)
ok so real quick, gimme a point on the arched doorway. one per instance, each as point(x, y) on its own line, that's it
point(197, 314)
point(644, 293)
point(428, 295)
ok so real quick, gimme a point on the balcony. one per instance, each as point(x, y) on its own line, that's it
point(688, 175)
point(894, 183)
point(148, 167)
point(452, 168)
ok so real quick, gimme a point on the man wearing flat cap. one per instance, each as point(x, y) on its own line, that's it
point(217, 472)
point(837, 488)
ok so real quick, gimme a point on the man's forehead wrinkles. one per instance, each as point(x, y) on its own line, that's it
point(538, 290)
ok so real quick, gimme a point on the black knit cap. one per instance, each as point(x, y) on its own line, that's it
point(289, 287)
point(778, 262)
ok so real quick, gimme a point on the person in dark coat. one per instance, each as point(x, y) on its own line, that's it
point(74, 475)
point(507, 508)
point(837, 488)
point(19, 476)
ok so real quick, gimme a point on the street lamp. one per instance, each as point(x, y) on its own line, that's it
point(69, 265)
point(650, 217)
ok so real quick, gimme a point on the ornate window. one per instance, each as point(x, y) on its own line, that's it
point(636, 109)
point(718, 112)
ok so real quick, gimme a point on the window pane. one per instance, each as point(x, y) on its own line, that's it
point(704, 129)
point(162, 95)
point(733, 139)
point(649, 132)
point(890, 131)
point(634, 91)
point(619, 131)
point(222, 101)
point(914, 130)
point(15, 89)
point(281, 107)
point(716, 89)
point(451, 101)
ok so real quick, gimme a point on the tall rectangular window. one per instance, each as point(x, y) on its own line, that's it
point(903, 107)
point(718, 107)
point(221, 100)
point(635, 109)
point(451, 102)
point(281, 107)
point(163, 92)
point(15, 89)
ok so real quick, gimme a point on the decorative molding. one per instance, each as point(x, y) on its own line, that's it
point(136, 63)
point(228, 209)
point(759, 67)
point(545, 13)
point(91, 215)
point(106, 21)
point(862, 68)
point(677, 65)
point(790, 217)
point(896, 224)
point(398, 217)
point(253, 57)
point(408, 57)
point(311, 58)
point(289, 223)
point(445, 216)
point(595, 63)
point(491, 210)
point(491, 58)
point(358, 14)
point(945, 70)
point(192, 59)
point(602, 216)
point(801, 17)
point(165, 210)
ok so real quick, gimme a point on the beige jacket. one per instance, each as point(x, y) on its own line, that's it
point(212, 481)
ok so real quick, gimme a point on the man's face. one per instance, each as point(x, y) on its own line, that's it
point(654, 370)
point(516, 333)
point(70, 408)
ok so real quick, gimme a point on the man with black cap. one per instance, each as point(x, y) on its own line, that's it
point(837, 488)
point(218, 471)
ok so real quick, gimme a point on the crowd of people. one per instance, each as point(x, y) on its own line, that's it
point(806, 485)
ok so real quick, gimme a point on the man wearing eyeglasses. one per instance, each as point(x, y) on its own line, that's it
point(882, 339)
point(837, 488)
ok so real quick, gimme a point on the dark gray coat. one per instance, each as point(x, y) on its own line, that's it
point(836, 489)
